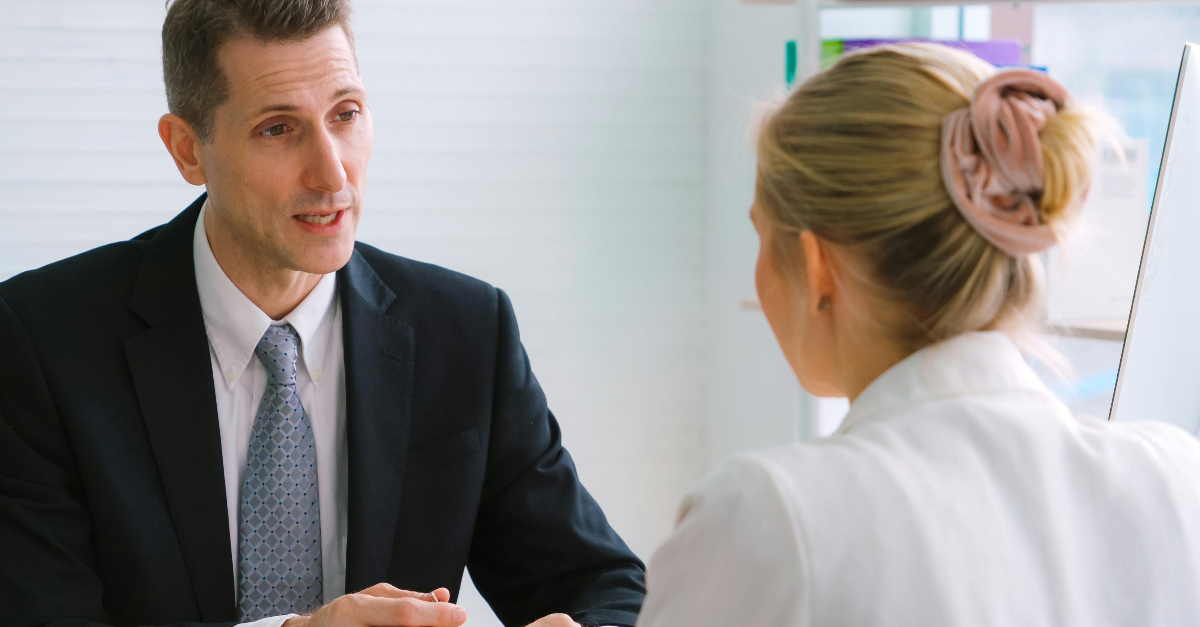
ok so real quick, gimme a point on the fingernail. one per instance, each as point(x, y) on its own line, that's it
point(460, 615)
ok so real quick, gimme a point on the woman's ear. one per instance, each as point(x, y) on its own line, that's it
point(819, 284)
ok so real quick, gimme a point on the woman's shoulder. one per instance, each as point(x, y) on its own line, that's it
point(745, 484)
point(820, 461)
point(1155, 432)
point(784, 484)
point(1147, 443)
point(912, 462)
point(769, 473)
point(735, 539)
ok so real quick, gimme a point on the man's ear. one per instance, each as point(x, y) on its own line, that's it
point(183, 143)
point(819, 284)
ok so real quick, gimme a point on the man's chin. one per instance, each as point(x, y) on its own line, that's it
point(324, 260)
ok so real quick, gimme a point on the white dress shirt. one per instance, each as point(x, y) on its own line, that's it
point(235, 325)
point(958, 491)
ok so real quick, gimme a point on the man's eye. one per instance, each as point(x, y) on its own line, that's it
point(275, 131)
point(346, 116)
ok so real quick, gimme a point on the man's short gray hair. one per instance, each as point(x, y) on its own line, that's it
point(195, 30)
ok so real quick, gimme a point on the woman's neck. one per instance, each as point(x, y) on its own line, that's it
point(863, 358)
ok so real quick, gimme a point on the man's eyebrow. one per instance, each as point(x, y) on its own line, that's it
point(277, 108)
point(284, 108)
point(346, 91)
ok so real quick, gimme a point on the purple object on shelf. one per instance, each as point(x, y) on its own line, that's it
point(996, 52)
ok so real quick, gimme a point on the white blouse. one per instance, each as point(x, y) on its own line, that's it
point(958, 491)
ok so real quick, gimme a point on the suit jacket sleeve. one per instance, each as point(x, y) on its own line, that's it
point(47, 568)
point(542, 545)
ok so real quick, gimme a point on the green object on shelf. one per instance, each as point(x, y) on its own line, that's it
point(831, 51)
point(791, 63)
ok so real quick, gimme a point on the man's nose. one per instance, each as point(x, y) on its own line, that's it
point(324, 170)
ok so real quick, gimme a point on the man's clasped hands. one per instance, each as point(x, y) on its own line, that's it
point(384, 605)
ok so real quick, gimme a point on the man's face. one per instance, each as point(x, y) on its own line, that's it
point(287, 162)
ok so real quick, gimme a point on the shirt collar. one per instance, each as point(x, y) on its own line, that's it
point(235, 324)
point(970, 363)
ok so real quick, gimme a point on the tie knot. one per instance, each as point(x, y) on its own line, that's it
point(279, 350)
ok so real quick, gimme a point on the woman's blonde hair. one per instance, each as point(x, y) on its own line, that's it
point(854, 156)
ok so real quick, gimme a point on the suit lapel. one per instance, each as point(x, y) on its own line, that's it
point(174, 382)
point(379, 359)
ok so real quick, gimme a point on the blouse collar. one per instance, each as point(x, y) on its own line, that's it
point(979, 362)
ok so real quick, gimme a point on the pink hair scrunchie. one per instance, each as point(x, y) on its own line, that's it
point(992, 158)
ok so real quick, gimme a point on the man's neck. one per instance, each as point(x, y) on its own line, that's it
point(273, 289)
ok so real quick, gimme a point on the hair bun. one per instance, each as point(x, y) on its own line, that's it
point(992, 162)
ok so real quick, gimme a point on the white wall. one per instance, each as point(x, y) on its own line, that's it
point(80, 160)
point(752, 397)
point(554, 148)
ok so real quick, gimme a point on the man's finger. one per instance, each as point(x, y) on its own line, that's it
point(388, 591)
point(555, 620)
point(410, 612)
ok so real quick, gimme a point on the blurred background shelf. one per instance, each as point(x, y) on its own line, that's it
point(1113, 330)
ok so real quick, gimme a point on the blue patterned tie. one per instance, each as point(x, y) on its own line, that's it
point(279, 542)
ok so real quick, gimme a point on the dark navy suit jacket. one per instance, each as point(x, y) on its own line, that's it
point(112, 497)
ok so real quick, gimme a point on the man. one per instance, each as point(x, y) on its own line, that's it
point(244, 415)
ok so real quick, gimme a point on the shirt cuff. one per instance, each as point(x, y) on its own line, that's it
point(270, 621)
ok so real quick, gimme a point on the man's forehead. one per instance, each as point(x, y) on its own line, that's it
point(322, 66)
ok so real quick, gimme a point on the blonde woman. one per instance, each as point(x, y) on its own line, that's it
point(902, 197)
